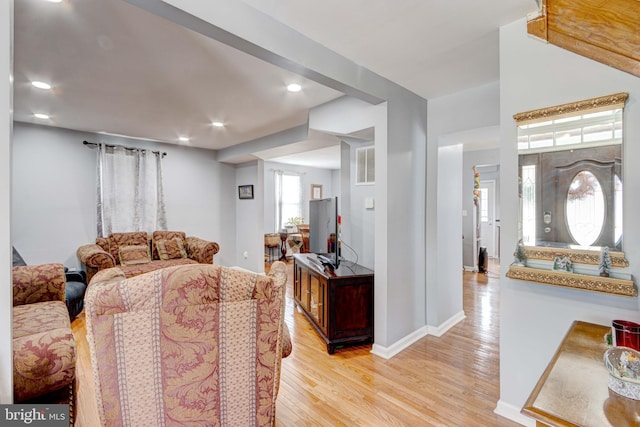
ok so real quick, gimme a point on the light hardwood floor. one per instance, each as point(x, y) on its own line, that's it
point(452, 380)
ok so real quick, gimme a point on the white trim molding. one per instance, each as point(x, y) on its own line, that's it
point(439, 331)
point(403, 343)
point(398, 346)
point(513, 413)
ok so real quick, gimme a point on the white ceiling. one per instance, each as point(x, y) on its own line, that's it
point(430, 47)
point(118, 69)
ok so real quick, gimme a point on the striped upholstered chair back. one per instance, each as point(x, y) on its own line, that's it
point(187, 345)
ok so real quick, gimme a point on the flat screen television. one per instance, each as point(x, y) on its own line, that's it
point(324, 233)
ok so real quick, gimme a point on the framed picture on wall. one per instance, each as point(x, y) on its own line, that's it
point(245, 191)
point(316, 191)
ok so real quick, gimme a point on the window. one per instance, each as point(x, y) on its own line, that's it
point(484, 205)
point(365, 165)
point(529, 205)
point(130, 196)
point(585, 208)
point(288, 198)
point(591, 129)
point(617, 199)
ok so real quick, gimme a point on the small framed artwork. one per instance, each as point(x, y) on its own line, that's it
point(316, 191)
point(245, 191)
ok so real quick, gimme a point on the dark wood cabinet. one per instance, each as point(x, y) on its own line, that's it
point(338, 303)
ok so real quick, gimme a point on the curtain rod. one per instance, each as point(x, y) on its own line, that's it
point(288, 171)
point(93, 144)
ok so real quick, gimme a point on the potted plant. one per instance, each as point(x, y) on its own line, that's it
point(292, 224)
point(520, 256)
point(605, 262)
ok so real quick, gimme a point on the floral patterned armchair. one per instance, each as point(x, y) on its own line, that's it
point(44, 348)
point(187, 345)
point(137, 253)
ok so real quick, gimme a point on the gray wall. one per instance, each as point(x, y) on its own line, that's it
point(249, 217)
point(54, 187)
point(358, 229)
point(6, 113)
point(405, 209)
point(449, 307)
point(476, 108)
point(534, 317)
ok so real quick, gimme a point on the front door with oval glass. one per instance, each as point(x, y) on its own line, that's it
point(578, 198)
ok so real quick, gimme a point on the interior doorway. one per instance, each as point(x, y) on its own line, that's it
point(487, 216)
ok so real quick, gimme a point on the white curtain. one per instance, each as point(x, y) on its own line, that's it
point(288, 187)
point(130, 194)
point(278, 185)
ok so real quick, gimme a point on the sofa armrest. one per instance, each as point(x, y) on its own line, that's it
point(94, 256)
point(201, 250)
point(38, 283)
point(108, 275)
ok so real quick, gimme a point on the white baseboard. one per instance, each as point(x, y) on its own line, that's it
point(513, 413)
point(236, 267)
point(398, 346)
point(469, 268)
point(438, 331)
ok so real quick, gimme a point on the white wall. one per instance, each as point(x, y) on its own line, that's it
point(476, 108)
point(6, 113)
point(54, 187)
point(308, 176)
point(535, 317)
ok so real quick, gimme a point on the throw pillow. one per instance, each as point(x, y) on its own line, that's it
point(171, 249)
point(135, 254)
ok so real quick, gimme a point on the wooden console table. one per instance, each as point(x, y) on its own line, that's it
point(338, 303)
point(573, 389)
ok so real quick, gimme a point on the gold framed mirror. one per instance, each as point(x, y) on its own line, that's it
point(570, 173)
point(571, 195)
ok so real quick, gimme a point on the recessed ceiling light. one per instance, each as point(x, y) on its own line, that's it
point(41, 116)
point(41, 85)
point(294, 87)
point(54, 1)
point(217, 124)
point(183, 139)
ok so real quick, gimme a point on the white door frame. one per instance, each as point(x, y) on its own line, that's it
point(490, 240)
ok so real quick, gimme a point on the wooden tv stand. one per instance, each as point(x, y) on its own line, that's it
point(339, 303)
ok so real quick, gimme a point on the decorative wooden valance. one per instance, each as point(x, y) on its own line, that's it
point(601, 103)
point(577, 256)
point(606, 285)
point(605, 31)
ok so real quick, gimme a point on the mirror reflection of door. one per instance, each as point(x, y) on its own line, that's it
point(487, 216)
point(578, 200)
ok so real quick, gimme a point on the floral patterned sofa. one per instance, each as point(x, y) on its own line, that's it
point(137, 253)
point(187, 345)
point(44, 349)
